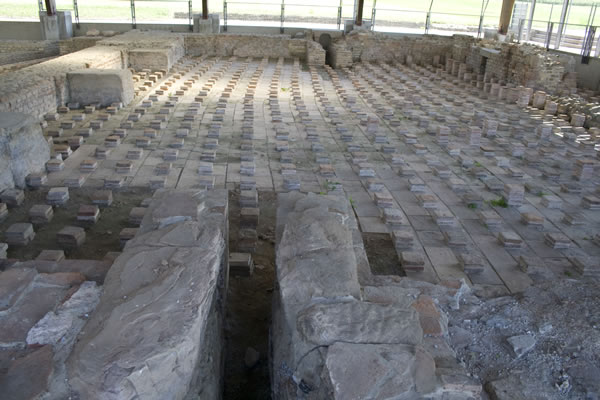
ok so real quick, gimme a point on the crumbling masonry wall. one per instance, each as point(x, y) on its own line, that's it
point(15, 51)
point(506, 64)
point(157, 331)
point(340, 333)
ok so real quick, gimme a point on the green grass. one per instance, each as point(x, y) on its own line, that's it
point(394, 11)
point(501, 202)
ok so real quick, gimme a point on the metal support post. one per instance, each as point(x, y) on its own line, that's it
point(190, 17)
point(225, 16)
point(588, 42)
point(282, 15)
point(76, 11)
point(50, 7)
point(561, 26)
point(339, 16)
point(133, 21)
point(481, 19)
point(204, 9)
point(520, 32)
point(549, 35)
point(373, 14)
point(428, 18)
point(530, 22)
point(359, 13)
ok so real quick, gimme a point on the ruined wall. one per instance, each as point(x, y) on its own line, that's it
point(41, 88)
point(167, 48)
point(341, 333)
point(245, 46)
point(376, 47)
point(157, 331)
point(77, 44)
point(523, 65)
point(505, 63)
point(15, 51)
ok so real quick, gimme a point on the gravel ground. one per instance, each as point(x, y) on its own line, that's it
point(560, 319)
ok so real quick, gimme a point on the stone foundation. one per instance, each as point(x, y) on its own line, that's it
point(340, 333)
point(156, 333)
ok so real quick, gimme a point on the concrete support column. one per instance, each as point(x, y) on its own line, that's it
point(210, 25)
point(505, 16)
point(65, 24)
point(49, 25)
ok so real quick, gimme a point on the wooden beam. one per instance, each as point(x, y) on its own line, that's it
point(359, 13)
point(51, 7)
point(505, 16)
point(204, 9)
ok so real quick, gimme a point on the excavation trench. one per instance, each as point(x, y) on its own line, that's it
point(248, 309)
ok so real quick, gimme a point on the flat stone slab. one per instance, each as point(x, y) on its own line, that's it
point(324, 324)
point(352, 379)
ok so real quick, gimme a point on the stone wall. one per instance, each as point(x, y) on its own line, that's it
point(376, 47)
point(157, 331)
point(23, 149)
point(340, 56)
point(522, 65)
point(39, 89)
point(341, 333)
point(76, 44)
point(245, 46)
point(149, 50)
point(512, 64)
point(15, 51)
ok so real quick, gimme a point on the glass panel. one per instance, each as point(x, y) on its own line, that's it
point(174, 12)
point(19, 9)
point(106, 10)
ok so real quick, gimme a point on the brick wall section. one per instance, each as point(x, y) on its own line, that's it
point(340, 56)
point(245, 46)
point(16, 51)
point(77, 44)
point(42, 87)
point(525, 65)
point(376, 47)
point(315, 54)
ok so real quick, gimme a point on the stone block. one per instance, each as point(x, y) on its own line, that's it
point(153, 59)
point(23, 149)
point(100, 86)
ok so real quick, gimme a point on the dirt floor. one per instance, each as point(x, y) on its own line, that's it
point(101, 238)
point(249, 301)
point(381, 254)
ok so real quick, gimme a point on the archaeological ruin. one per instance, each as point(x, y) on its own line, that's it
point(299, 214)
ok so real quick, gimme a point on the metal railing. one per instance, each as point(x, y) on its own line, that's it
point(566, 37)
point(579, 38)
point(282, 7)
point(424, 20)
